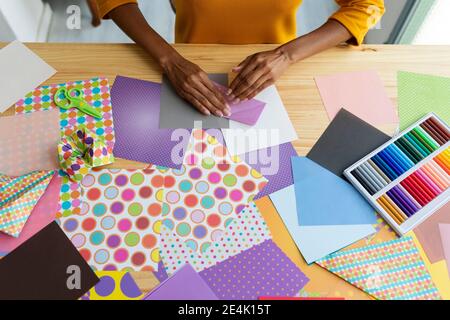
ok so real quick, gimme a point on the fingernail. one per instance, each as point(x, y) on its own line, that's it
point(231, 96)
point(219, 114)
point(227, 113)
point(229, 91)
point(235, 101)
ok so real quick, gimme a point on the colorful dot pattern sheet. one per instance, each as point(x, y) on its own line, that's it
point(96, 92)
point(119, 222)
point(114, 285)
point(246, 230)
point(263, 270)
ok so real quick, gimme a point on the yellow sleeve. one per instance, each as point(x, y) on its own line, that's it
point(358, 16)
point(105, 6)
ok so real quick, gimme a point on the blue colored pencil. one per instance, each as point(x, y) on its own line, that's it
point(404, 156)
point(396, 159)
point(384, 167)
point(390, 163)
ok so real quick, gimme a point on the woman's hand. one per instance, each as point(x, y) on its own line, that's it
point(193, 85)
point(257, 72)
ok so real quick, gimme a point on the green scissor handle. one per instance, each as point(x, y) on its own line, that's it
point(73, 98)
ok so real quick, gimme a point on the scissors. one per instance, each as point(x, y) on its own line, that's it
point(74, 98)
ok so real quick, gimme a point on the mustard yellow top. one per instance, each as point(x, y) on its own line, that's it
point(255, 21)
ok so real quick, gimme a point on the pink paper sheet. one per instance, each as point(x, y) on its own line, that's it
point(445, 237)
point(361, 93)
point(429, 236)
point(29, 142)
point(43, 213)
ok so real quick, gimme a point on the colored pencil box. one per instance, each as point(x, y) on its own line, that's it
point(408, 178)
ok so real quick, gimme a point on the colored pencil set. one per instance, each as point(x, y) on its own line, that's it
point(408, 178)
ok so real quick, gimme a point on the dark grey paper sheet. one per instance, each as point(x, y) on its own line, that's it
point(177, 113)
point(347, 140)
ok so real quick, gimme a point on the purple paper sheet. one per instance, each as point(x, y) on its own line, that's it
point(161, 273)
point(263, 270)
point(136, 107)
point(185, 284)
point(275, 165)
point(246, 112)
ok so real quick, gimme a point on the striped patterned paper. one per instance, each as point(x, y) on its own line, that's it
point(390, 270)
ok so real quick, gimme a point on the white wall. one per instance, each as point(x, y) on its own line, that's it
point(25, 18)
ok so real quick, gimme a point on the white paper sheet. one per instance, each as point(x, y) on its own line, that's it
point(273, 127)
point(21, 72)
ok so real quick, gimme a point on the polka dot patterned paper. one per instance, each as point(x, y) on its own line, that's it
point(118, 225)
point(96, 93)
point(263, 270)
point(209, 190)
point(114, 285)
point(204, 200)
point(246, 230)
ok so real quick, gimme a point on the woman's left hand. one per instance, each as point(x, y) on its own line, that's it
point(257, 72)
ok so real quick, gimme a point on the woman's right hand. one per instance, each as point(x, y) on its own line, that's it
point(193, 85)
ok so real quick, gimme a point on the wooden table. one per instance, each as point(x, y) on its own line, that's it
point(297, 89)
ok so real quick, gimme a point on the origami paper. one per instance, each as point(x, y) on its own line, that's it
point(28, 143)
point(161, 273)
point(58, 271)
point(420, 94)
point(429, 236)
point(325, 199)
point(185, 284)
point(322, 283)
point(42, 214)
point(136, 124)
point(202, 201)
point(114, 285)
point(444, 230)
point(272, 129)
point(315, 242)
point(82, 151)
point(119, 222)
point(245, 231)
point(18, 197)
point(438, 270)
point(345, 141)
point(96, 93)
point(246, 112)
point(177, 113)
point(275, 165)
point(362, 93)
point(22, 71)
point(263, 270)
point(390, 270)
point(207, 193)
